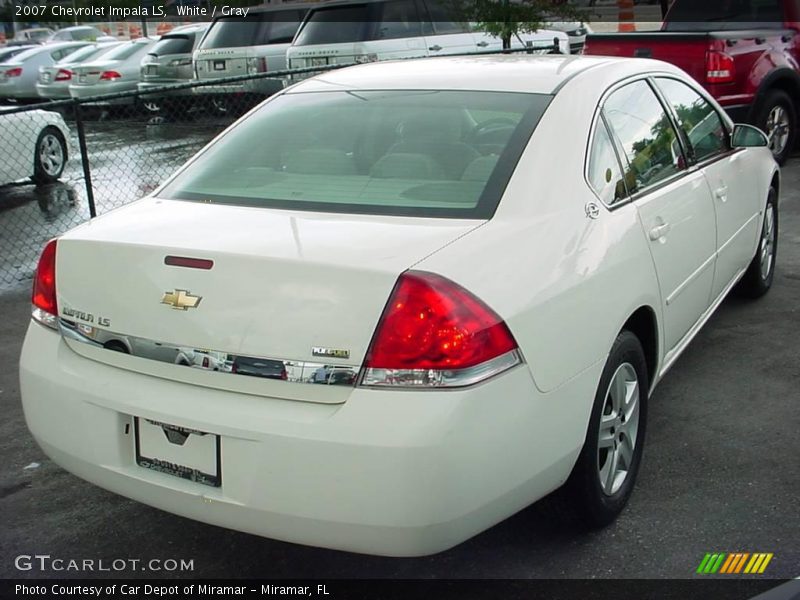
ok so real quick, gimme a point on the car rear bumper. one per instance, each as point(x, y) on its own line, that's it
point(89, 91)
point(265, 86)
point(53, 91)
point(387, 472)
point(149, 86)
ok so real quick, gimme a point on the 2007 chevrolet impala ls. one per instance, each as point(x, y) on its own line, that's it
point(396, 303)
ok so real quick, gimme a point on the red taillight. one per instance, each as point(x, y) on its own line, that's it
point(433, 332)
point(15, 72)
point(110, 75)
point(45, 305)
point(284, 375)
point(205, 362)
point(63, 75)
point(720, 67)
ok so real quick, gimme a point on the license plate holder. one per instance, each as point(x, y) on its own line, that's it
point(178, 451)
point(219, 65)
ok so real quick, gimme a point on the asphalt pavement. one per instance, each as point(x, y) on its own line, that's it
point(721, 473)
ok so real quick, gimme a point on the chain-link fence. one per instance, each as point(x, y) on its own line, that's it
point(65, 162)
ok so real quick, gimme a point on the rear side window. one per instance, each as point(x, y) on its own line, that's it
point(399, 19)
point(334, 25)
point(649, 142)
point(604, 173)
point(404, 152)
point(714, 15)
point(701, 124)
point(173, 44)
point(443, 19)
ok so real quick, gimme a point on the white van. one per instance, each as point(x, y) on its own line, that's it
point(365, 31)
point(247, 45)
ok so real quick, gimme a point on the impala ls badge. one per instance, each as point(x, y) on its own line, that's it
point(181, 299)
point(329, 352)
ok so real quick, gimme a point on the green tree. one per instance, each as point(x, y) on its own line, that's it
point(509, 18)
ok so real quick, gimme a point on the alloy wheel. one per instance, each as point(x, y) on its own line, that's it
point(619, 425)
point(767, 245)
point(778, 126)
point(51, 155)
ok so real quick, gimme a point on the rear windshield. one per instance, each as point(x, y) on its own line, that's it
point(717, 15)
point(411, 153)
point(361, 22)
point(124, 51)
point(173, 44)
point(84, 54)
point(258, 29)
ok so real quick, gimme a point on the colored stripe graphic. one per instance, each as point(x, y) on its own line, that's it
point(734, 563)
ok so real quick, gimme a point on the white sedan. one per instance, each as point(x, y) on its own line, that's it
point(511, 252)
point(33, 144)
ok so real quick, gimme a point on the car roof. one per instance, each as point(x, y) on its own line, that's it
point(511, 73)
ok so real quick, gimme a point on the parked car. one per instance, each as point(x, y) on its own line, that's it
point(35, 35)
point(365, 31)
point(744, 53)
point(114, 71)
point(32, 144)
point(19, 75)
point(80, 33)
point(576, 31)
point(247, 46)
point(505, 250)
point(168, 62)
point(7, 53)
point(54, 80)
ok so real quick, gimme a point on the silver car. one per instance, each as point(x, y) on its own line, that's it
point(169, 61)
point(18, 76)
point(54, 81)
point(247, 46)
point(7, 53)
point(115, 71)
point(83, 33)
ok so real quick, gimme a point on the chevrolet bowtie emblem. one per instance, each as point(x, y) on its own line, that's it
point(181, 299)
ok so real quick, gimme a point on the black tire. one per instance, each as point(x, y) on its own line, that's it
point(756, 281)
point(583, 491)
point(45, 171)
point(776, 100)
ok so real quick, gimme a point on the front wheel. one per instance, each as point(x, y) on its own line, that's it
point(50, 156)
point(757, 280)
point(603, 478)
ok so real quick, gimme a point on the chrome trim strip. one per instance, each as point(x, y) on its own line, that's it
point(224, 363)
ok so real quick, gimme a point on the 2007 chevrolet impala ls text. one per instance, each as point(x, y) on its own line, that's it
point(397, 303)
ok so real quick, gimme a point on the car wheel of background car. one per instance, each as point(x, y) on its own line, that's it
point(150, 106)
point(50, 156)
point(778, 119)
point(758, 278)
point(219, 105)
point(603, 478)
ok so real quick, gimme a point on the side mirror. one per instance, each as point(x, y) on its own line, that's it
point(747, 136)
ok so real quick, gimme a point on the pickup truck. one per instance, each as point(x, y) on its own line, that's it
point(744, 52)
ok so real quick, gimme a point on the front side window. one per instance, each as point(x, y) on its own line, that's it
point(410, 153)
point(443, 19)
point(649, 143)
point(702, 125)
point(604, 172)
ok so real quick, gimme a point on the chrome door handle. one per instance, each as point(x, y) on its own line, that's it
point(435, 48)
point(721, 193)
point(482, 44)
point(658, 232)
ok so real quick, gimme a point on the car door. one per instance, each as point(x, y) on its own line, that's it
point(397, 32)
point(728, 174)
point(19, 134)
point(673, 202)
point(443, 33)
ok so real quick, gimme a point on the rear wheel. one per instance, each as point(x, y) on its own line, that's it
point(603, 478)
point(50, 156)
point(778, 119)
point(757, 280)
